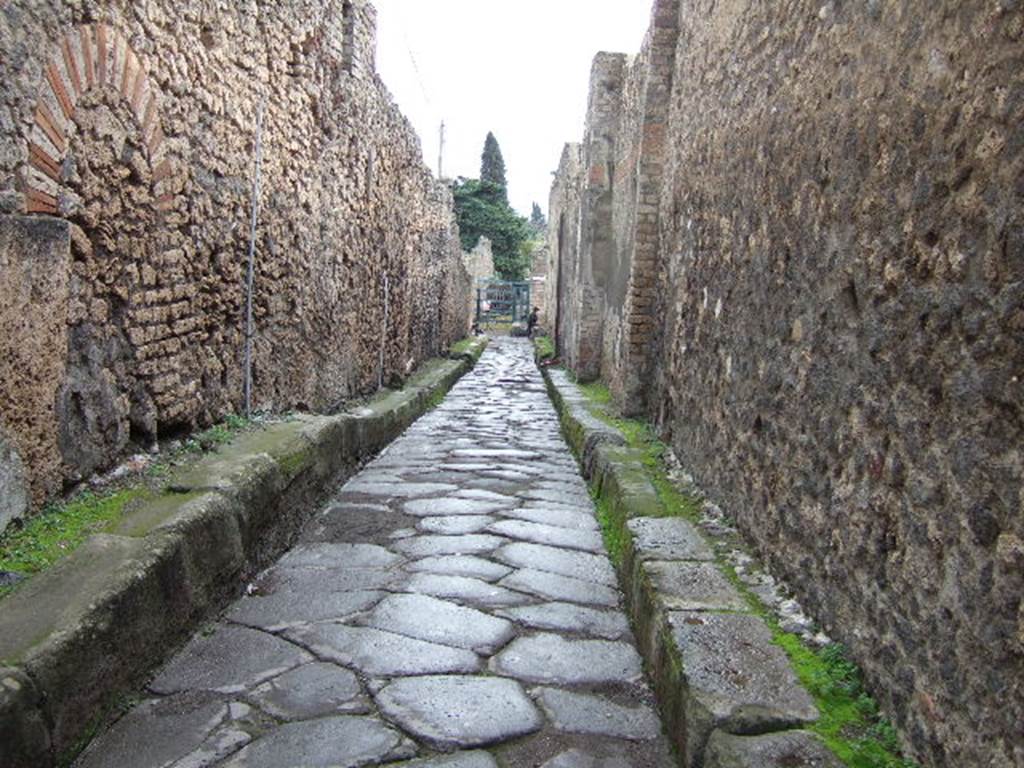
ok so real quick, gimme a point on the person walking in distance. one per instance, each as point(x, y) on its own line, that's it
point(531, 322)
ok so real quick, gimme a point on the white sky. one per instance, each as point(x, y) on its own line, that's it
point(519, 69)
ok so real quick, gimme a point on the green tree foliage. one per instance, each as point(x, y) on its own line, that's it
point(482, 210)
point(492, 164)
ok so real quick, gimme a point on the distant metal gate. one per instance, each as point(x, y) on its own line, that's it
point(499, 302)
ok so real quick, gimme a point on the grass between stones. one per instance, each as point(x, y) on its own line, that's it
point(545, 348)
point(851, 724)
point(461, 347)
point(62, 526)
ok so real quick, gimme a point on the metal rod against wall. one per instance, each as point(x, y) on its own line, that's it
point(252, 258)
point(384, 332)
point(440, 155)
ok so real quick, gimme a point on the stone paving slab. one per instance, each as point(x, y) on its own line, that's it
point(439, 621)
point(158, 732)
point(228, 660)
point(454, 525)
point(468, 591)
point(461, 565)
point(668, 538)
point(790, 749)
point(290, 607)
point(313, 690)
point(451, 505)
point(563, 517)
point(579, 565)
point(587, 713)
point(553, 586)
point(339, 556)
point(382, 654)
point(571, 618)
point(550, 658)
point(434, 545)
point(538, 533)
point(475, 759)
point(333, 742)
point(460, 711)
point(683, 586)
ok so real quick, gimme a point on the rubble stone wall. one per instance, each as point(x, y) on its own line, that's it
point(136, 124)
point(838, 357)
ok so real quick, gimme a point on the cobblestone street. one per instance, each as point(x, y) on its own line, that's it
point(451, 606)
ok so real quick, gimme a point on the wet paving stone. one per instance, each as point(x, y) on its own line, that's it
point(460, 711)
point(586, 713)
point(432, 545)
point(566, 562)
point(571, 618)
point(313, 690)
point(289, 608)
point(228, 660)
point(447, 506)
point(561, 517)
point(552, 586)
point(539, 533)
point(439, 621)
point(480, 594)
point(158, 732)
point(475, 759)
point(339, 556)
point(461, 565)
point(454, 525)
point(333, 742)
point(549, 658)
point(382, 654)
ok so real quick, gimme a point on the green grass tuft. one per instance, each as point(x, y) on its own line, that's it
point(461, 347)
point(60, 528)
point(640, 437)
point(544, 348)
point(613, 529)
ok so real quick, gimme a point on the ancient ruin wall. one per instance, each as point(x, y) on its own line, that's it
point(136, 123)
point(564, 208)
point(842, 229)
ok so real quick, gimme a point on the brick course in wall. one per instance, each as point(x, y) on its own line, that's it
point(135, 124)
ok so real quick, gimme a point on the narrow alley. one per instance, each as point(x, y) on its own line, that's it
point(452, 606)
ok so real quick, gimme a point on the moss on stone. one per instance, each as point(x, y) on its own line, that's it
point(61, 527)
point(850, 723)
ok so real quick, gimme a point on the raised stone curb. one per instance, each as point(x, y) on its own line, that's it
point(94, 625)
point(714, 667)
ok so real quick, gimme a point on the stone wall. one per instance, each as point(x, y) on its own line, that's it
point(33, 344)
point(612, 321)
point(135, 124)
point(480, 261)
point(564, 209)
point(839, 285)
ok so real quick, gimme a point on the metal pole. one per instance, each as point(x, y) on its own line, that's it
point(384, 332)
point(440, 155)
point(252, 259)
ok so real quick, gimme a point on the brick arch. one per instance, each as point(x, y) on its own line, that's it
point(90, 57)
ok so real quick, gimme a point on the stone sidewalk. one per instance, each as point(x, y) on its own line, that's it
point(452, 606)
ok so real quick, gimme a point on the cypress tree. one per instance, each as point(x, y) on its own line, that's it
point(492, 165)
